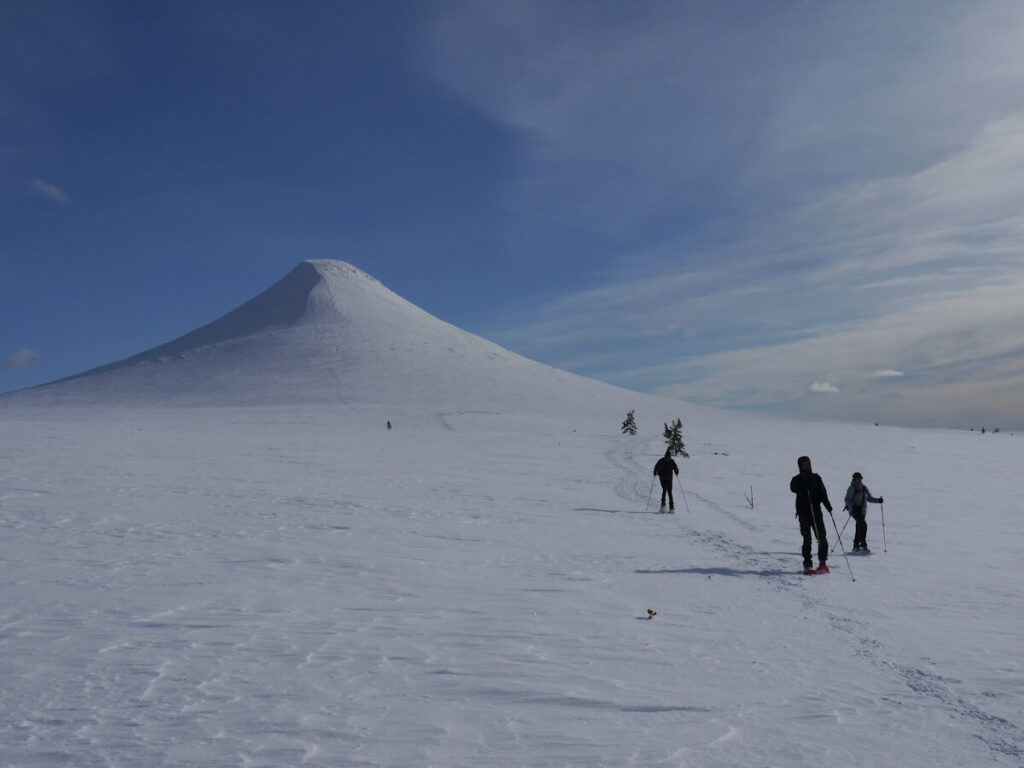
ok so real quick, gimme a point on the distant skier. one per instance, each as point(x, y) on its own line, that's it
point(664, 469)
point(857, 497)
point(810, 495)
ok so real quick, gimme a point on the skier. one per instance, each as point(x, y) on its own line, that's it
point(857, 496)
point(664, 469)
point(810, 495)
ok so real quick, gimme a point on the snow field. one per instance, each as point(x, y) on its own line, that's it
point(299, 586)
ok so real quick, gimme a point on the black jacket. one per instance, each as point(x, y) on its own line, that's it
point(665, 467)
point(811, 481)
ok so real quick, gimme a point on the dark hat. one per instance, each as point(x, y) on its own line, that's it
point(803, 460)
point(858, 476)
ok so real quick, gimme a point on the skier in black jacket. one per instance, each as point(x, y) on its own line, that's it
point(664, 469)
point(810, 495)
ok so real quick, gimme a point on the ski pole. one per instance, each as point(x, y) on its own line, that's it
point(683, 494)
point(649, 494)
point(848, 518)
point(884, 547)
point(840, 538)
point(821, 533)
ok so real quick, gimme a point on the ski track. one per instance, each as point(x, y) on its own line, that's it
point(1000, 735)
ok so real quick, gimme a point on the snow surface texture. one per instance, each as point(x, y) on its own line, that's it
point(294, 584)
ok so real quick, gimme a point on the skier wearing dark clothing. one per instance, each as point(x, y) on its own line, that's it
point(857, 497)
point(810, 495)
point(664, 469)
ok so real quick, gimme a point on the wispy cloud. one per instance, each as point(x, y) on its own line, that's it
point(50, 191)
point(961, 358)
point(920, 274)
point(21, 360)
point(824, 387)
point(847, 214)
point(668, 108)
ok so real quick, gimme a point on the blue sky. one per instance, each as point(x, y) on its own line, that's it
point(814, 209)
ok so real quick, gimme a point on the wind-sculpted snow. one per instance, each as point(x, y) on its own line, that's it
point(301, 586)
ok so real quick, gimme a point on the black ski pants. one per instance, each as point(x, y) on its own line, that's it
point(860, 533)
point(817, 524)
point(666, 487)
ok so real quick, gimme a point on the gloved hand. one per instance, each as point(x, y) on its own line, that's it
point(881, 500)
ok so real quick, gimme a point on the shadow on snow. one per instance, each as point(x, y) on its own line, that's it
point(718, 572)
point(654, 511)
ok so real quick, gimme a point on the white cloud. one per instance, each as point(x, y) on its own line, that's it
point(50, 192)
point(888, 373)
point(20, 360)
point(824, 386)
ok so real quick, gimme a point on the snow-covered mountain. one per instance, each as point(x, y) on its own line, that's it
point(326, 333)
point(297, 584)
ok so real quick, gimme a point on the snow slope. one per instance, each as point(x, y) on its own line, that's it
point(326, 333)
point(294, 584)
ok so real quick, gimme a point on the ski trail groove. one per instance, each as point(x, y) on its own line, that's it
point(999, 734)
point(722, 510)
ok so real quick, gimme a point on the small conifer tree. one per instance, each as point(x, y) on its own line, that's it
point(674, 439)
point(629, 425)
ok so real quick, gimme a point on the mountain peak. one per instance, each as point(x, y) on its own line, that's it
point(331, 268)
point(327, 332)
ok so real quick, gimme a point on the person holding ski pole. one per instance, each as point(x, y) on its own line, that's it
point(857, 497)
point(810, 495)
point(664, 469)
